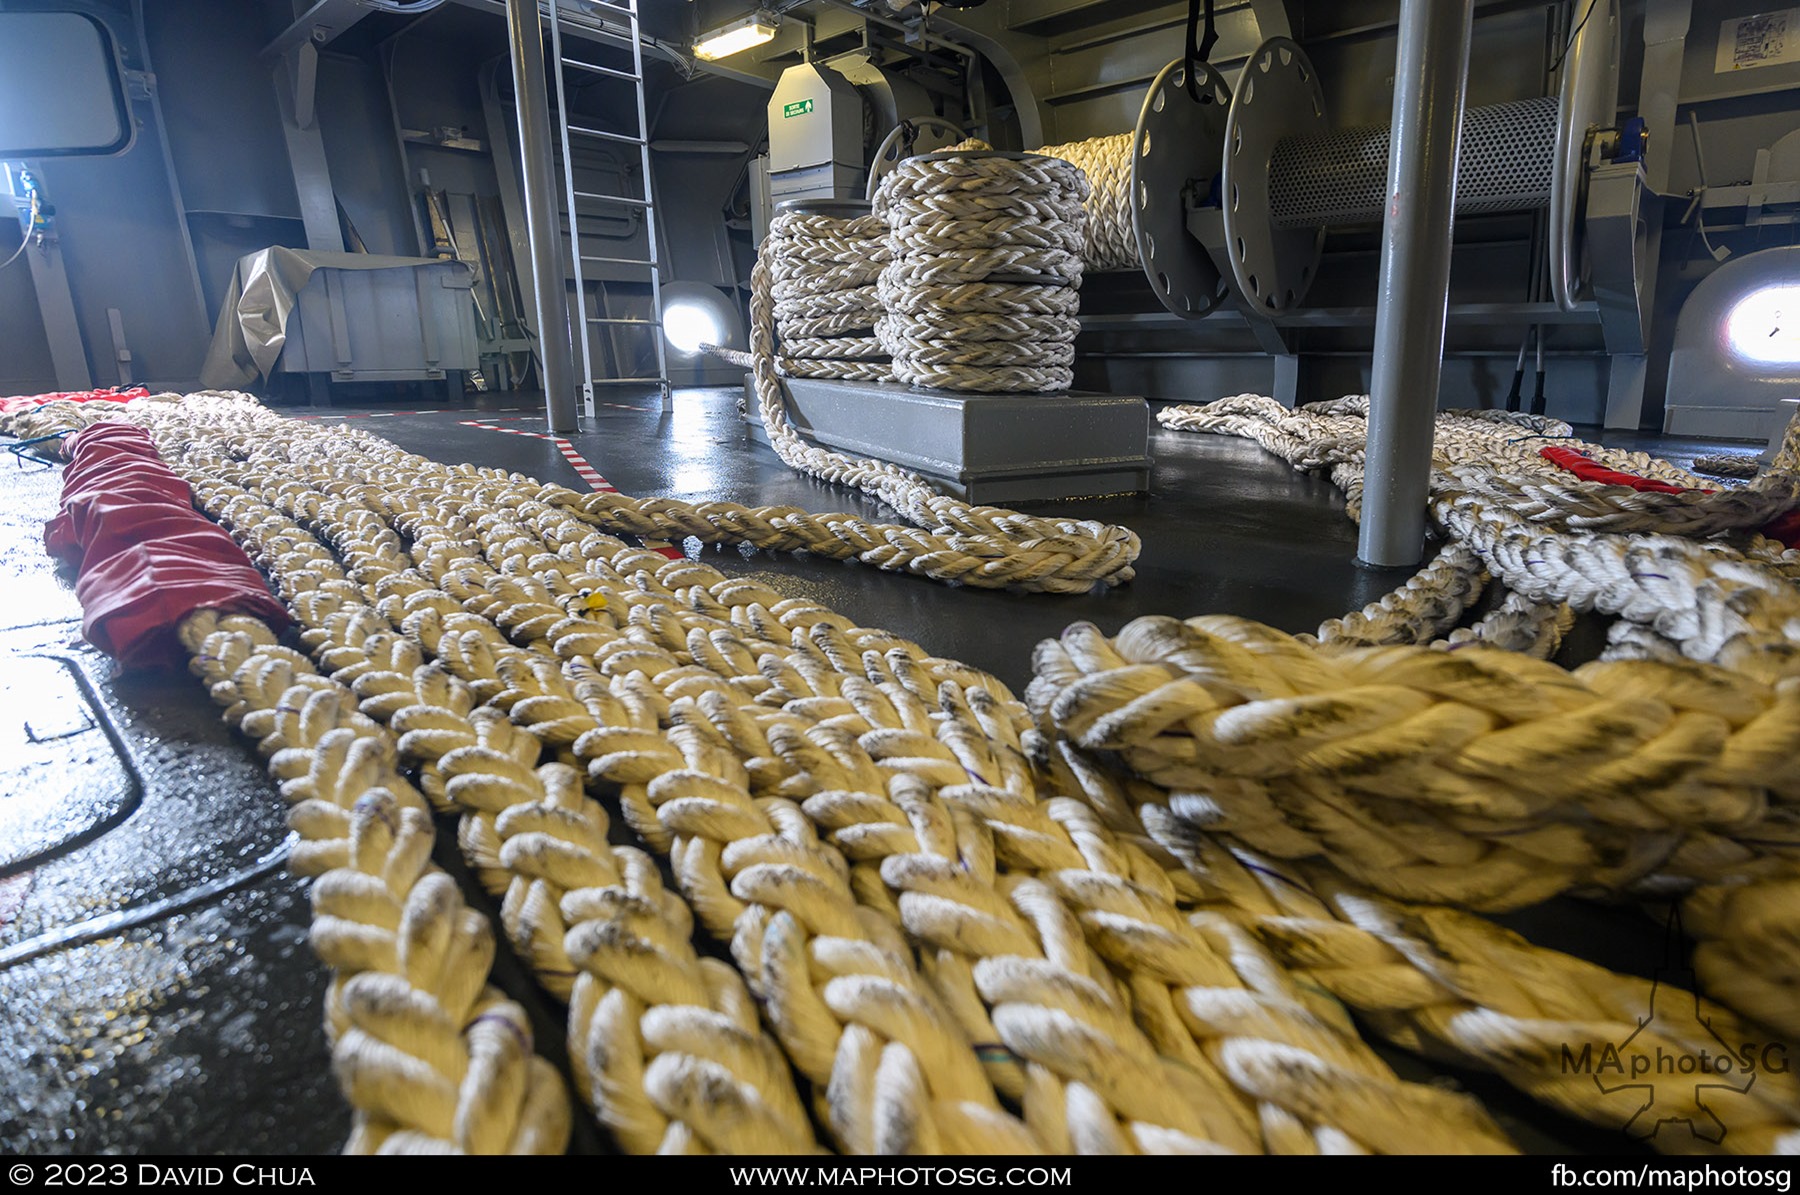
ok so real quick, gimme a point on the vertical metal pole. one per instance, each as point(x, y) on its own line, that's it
point(1430, 79)
point(583, 335)
point(550, 297)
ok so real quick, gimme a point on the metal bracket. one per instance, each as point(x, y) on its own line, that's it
point(1617, 241)
point(303, 77)
point(317, 26)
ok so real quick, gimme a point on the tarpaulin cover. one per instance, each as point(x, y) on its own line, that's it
point(262, 294)
point(146, 559)
point(23, 401)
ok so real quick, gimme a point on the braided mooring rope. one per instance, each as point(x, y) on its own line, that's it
point(981, 546)
point(976, 545)
point(1728, 464)
point(1678, 598)
point(822, 273)
point(1108, 242)
point(428, 1055)
point(981, 291)
point(1098, 1092)
point(1655, 561)
point(364, 510)
point(666, 1046)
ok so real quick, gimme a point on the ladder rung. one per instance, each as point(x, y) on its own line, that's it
point(625, 137)
point(628, 200)
point(624, 10)
point(647, 323)
point(623, 261)
point(620, 381)
point(601, 70)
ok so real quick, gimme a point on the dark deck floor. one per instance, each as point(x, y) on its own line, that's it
point(156, 989)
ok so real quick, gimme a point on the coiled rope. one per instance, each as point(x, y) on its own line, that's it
point(1108, 240)
point(975, 545)
point(955, 318)
point(823, 271)
point(981, 291)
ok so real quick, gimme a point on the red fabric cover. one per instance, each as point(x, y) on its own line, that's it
point(146, 558)
point(1785, 530)
point(1586, 468)
point(21, 401)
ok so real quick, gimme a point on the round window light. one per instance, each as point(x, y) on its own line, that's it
point(1764, 326)
point(689, 324)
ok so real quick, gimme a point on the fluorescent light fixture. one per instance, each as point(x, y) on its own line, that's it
point(736, 37)
point(1764, 326)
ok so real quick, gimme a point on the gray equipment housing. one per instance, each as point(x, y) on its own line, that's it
point(383, 325)
point(1714, 388)
point(987, 448)
point(815, 135)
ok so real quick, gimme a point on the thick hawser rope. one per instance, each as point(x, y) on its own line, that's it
point(1108, 240)
point(971, 274)
point(806, 686)
point(1717, 593)
point(1685, 575)
point(810, 278)
point(822, 275)
point(950, 1122)
point(671, 1038)
point(1740, 465)
point(982, 546)
point(982, 286)
point(975, 545)
point(428, 1055)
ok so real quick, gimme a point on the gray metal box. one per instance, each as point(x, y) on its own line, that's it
point(992, 448)
point(815, 117)
point(386, 325)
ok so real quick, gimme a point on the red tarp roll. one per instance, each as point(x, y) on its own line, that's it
point(146, 558)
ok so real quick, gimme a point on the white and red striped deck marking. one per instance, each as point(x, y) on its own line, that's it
point(582, 469)
point(394, 414)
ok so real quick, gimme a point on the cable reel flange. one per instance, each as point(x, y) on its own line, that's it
point(1278, 96)
point(1175, 150)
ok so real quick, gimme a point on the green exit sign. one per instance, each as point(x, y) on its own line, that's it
point(798, 108)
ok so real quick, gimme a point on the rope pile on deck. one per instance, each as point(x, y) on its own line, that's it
point(1128, 914)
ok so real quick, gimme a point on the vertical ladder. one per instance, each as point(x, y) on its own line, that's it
point(627, 10)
